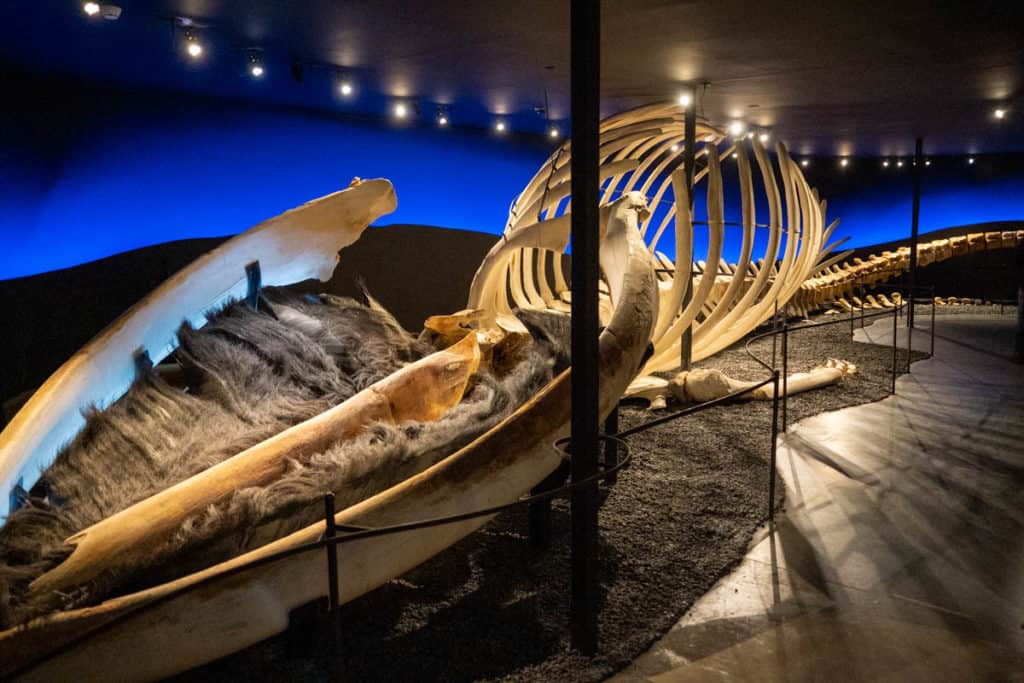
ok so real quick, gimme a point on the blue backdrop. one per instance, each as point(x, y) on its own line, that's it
point(89, 172)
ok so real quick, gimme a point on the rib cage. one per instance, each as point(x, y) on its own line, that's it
point(636, 155)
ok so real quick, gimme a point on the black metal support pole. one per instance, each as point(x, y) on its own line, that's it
point(585, 42)
point(689, 159)
point(1018, 345)
point(775, 327)
point(892, 388)
point(931, 349)
point(333, 616)
point(611, 448)
point(910, 347)
point(785, 375)
point(915, 215)
point(775, 438)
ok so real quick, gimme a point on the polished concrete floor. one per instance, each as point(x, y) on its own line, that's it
point(900, 554)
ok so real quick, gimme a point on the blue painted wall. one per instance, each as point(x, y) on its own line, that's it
point(86, 172)
point(131, 170)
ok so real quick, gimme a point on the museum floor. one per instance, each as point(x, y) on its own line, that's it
point(900, 554)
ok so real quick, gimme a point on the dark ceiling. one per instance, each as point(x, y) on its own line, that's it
point(828, 77)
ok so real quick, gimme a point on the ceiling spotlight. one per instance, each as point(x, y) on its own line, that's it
point(554, 133)
point(255, 63)
point(927, 162)
point(91, 8)
point(899, 164)
point(750, 135)
point(844, 162)
point(346, 88)
point(763, 137)
point(442, 117)
point(400, 110)
point(735, 155)
point(675, 147)
point(684, 100)
point(970, 160)
point(885, 164)
point(500, 126)
point(192, 46)
point(805, 162)
point(1000, 113)
point(737, 128)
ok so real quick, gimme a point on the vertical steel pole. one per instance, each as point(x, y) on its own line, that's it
point(894, 327)
point(915, 215)
point(775, 328)
point(775, 438)
point(689, 159)
point(931, 349)
point(585, 50)
point(785, 374)
point(611, 448)
point(330, 531)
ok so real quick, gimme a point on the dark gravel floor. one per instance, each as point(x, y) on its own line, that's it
point(493, 607)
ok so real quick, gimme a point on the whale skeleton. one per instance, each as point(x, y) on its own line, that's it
point(180, 624)
point(641, 150)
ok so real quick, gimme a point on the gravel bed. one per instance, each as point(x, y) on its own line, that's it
point(493, 607)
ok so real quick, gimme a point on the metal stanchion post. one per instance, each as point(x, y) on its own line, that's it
point(774, 446)
point(931, 349)
point(785, 375)
point(330, 530)
point(611, 448)
point(895, 322)
point(910, 338)
point(775, 327)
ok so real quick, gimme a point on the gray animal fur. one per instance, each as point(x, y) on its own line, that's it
point(250, 377)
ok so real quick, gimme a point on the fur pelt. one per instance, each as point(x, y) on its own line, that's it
point(250, 375)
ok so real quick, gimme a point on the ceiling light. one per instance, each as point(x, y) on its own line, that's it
point(737, 128)
point(255, 63)
point(91, 8)
point(885, 164)
point(346, 88)
point(675, 147)
point(805, 163)
point(970, 160)
point(735, 155)
point(1000, 113)
point(927, 162)
point(844, 162)
point(684, 100)
point(763, 137)
point(554, 133)
point(500, 126)
point(400, 110)
point(192, 46)
point(899, 164)
point(442, 117)
point(750, 135)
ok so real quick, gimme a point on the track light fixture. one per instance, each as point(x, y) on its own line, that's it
point(105, 10)
point(192, 46)
point(255, 62)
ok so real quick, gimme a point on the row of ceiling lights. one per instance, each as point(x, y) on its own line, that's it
point(400, 110)
point(403, 110)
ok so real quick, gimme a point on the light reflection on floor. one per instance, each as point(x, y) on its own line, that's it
point(900, 556)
